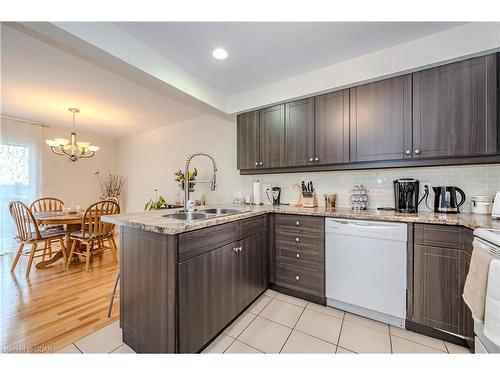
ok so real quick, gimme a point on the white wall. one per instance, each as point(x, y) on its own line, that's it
point(76, 182)
point(473, 179)
point(150, 159)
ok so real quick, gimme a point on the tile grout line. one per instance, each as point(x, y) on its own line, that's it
point(390, 339)
point(295, 325)
point(340, 333)
point(74, 343)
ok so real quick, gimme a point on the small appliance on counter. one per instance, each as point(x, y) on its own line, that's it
point(445, 199)
point(406, 195)
point(309, 197)
point(482, 204)
point(359, 198)
point(273, 195)
point(495, 211)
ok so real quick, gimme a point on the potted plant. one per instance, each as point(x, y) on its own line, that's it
point(179, 177)
point(156, 204)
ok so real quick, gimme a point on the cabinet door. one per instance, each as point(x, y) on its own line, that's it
point(381, 120)
point(272, 137)
point(454, 109)
point(207, 296)
point(253, 268)
point(332, 128)
point(299, 126)
point(248, 140)
point(436, 284)
point(467, 328)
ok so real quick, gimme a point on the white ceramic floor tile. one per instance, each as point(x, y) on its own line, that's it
point(400, 346)
point(344, 351)
point(457, 349)
point(235, 329)
point(105, 340)
point(299, 342)
point(259, 305)
point(237, 347)
point(219, 345)
point(123, 349)
point(265, 335)
point(362, 321)
point(420, 339)
point(290, 299)
point(282, 312)
point(320, 325)
point(70, 349)
point(325, 310)
point(270, 293)
point(361, 339)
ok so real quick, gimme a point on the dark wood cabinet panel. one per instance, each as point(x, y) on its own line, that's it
point(208, 296)
point(248, 154)
point(272, 137)
point(252, 268)
point(455, 109)
point(299, 120)
point(380, 120)
point(332, 128)
point(436, 283)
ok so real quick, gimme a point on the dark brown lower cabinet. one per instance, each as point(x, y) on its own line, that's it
point(438, 277)
point(213, 288)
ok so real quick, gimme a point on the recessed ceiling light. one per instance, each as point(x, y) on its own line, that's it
point(219, 53)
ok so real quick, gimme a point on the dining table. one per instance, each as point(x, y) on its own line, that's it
point(71, 221)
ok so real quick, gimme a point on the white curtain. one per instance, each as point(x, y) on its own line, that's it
point(20, 157)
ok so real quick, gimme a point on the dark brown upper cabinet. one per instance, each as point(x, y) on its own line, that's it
point(455, 109)
point(299, 120)
point(381, 120)
point(248, 140)
point(272, 137)
point(331, 126)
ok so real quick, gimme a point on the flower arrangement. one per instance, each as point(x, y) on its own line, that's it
point(111, 185)
point(179, 177)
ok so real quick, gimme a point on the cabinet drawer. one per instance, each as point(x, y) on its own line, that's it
point(437, 235)
point(298, 257)
point(299, 241)
point(307, 280)
point(251, 226)
point(300, 223)
point(203, 240)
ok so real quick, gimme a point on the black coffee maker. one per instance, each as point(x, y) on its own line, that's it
point(406, 195)
point(445, 199)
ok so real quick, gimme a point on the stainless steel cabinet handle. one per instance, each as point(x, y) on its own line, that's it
point(417, 151)
point(261, 163)
point(311, 160)
point(407, 152)
point(298, 255)
point(297, 277)
point(256, 163)
point(235, 249)
point(316, 159)
point(297, 239)
point(297, 223)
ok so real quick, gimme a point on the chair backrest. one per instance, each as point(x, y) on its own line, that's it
point(27, 229)
point(92, 225)
point(113, 199)
point(47, 204)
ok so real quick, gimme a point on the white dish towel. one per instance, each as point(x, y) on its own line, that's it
point(492, 304)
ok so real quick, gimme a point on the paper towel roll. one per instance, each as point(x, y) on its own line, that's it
point(256, 192)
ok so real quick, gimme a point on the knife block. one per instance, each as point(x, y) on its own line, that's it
point(310, 202)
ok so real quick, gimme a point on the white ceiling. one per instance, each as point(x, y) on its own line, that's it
point(40, 82)
point(262, 53)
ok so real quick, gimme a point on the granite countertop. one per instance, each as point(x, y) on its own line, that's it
point(154, 221)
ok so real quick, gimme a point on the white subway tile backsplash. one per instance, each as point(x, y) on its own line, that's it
point(472, 179)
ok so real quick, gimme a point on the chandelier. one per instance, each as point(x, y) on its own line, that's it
point(72, 148)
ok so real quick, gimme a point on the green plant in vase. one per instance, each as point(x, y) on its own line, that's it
point(179, 177)
point(156, 204)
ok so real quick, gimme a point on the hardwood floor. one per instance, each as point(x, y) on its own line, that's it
point(56, 306)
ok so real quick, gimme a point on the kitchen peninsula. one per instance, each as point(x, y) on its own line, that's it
point(183, 282)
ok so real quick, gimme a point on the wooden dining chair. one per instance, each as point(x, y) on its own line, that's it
point(95, 232)
point(29, 234)
point(48, 204)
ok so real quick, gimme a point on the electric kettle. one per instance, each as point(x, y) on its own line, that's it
point(445, 199)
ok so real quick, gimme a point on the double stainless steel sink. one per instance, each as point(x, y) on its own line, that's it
point(204, 214)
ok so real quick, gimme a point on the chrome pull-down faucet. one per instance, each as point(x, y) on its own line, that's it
point(188, 206)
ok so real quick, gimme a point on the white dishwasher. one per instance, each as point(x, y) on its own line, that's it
point(366, 268)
